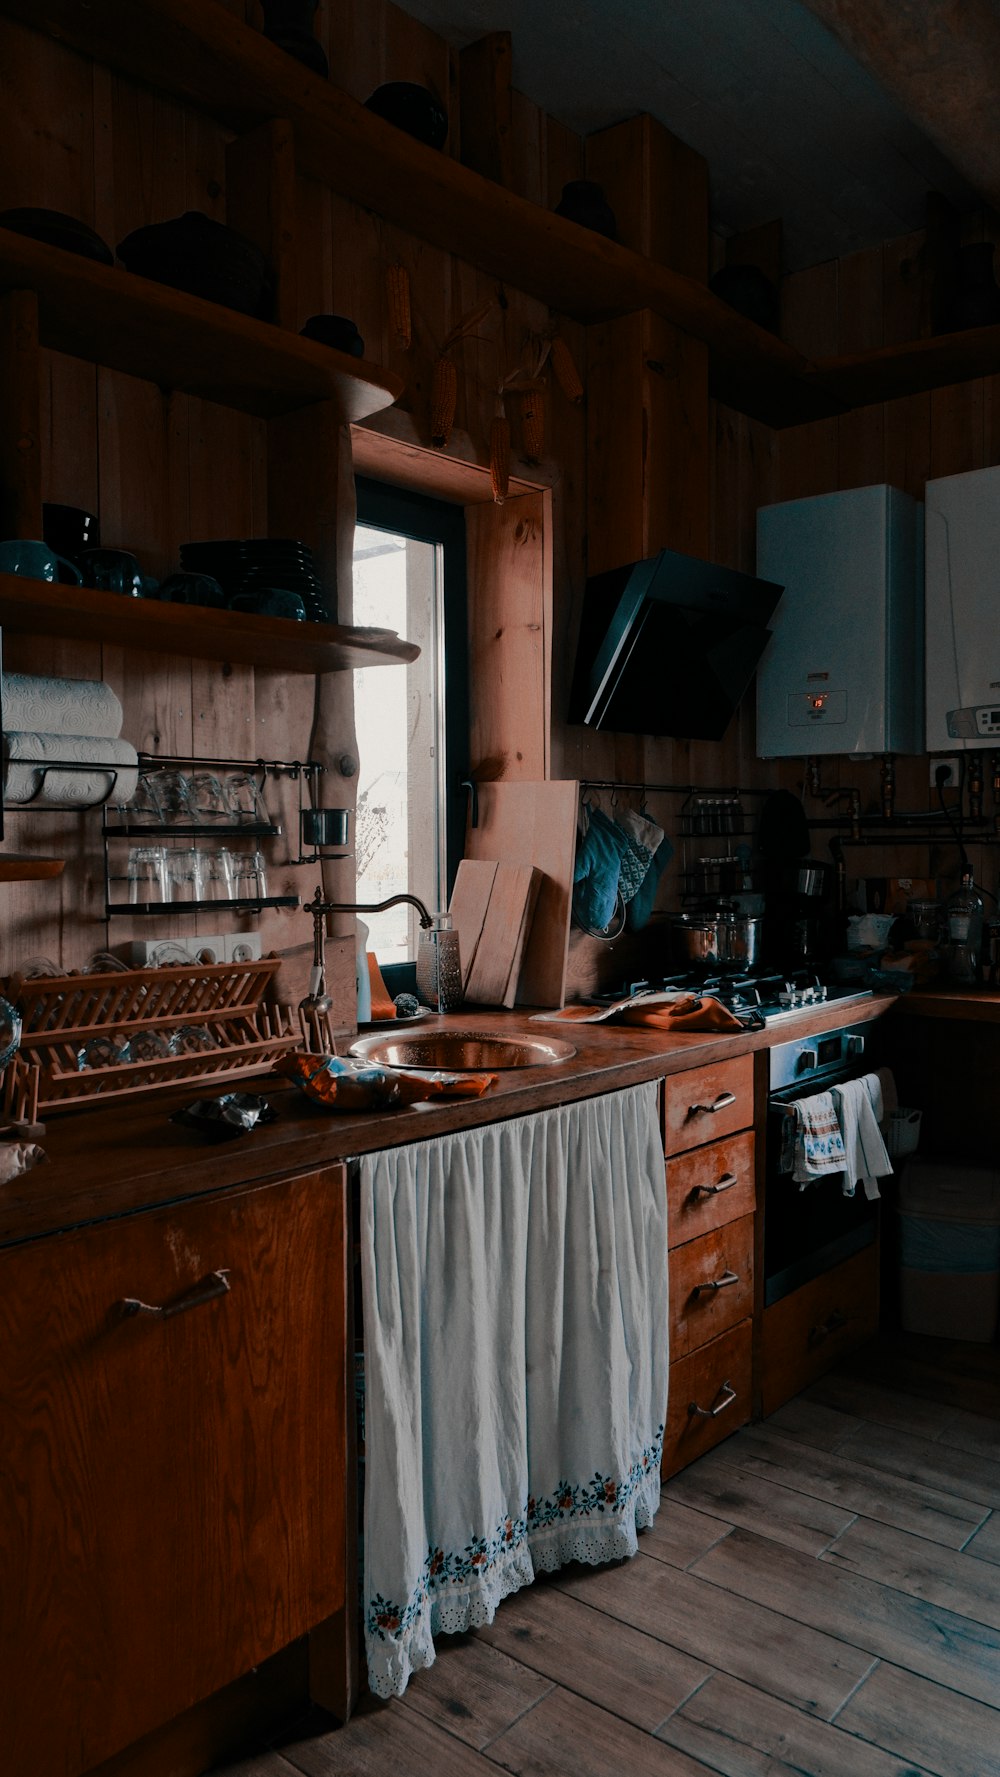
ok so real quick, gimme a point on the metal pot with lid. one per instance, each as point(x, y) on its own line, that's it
point(716, 938)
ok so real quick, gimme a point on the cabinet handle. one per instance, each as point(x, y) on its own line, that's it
point(726, 1182)
point(728, 1393)
point(717, 1283)
point(718, 1103)
point(836, 1321)
point(215, 1284)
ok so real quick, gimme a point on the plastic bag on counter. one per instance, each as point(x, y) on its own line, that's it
point(339, 1083)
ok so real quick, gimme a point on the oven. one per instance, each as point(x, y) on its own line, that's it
point(808, 1230)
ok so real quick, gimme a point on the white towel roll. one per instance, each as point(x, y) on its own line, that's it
point(60, 706)
point(114, 775)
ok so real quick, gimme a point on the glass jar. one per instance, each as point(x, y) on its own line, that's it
point(964, 916)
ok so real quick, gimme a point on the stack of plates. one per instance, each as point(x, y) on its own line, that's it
point(245, 566)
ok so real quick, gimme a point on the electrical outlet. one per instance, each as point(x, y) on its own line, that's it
point(951, 781)
point(243, 947)
point(154, 953)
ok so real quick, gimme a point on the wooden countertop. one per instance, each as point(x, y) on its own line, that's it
point(112, 1160)
point(980, 1005)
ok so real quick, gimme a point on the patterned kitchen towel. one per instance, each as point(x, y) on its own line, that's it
point(859, 1108)
point(819, 1145)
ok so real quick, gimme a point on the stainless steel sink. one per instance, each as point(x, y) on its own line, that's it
point(463, 1050)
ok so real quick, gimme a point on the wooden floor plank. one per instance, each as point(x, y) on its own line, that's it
point(564, 1736)
point(936, 1420)
point(741, 1732)
point(812, 1423)
point(816, 1672)
point(473, 1690)
point(958, 1374)
point(925, 1639)
point(678, 1535)
point(796, 1519)
point(386, 1738)
point(923, 1463)
point(919, 1568)
point(846, 1481)
point(945, 1733)
point(613, 1665)
point(985, 1545)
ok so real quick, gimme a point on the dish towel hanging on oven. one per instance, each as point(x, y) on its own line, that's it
point(816, 1142)
point(515, 1316)
point(860, 1109)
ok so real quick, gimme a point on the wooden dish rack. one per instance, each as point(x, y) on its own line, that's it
point(62, 1013)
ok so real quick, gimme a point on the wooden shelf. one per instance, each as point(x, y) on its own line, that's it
point(181, 342)
point(920, 365)
point(32, 607)
point(19, 867)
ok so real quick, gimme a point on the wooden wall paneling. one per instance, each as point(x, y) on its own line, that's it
point(658, 189)
point(47, 94)
point(261, 204)
point(761, 246)
point(304, 449)
point(21, 437)
point(509, 638)
point(318, 214)
point(353, 265)
point(957, 428)
point(861, 434)
point(807, 455)
point(414, 52)
point(484, 73)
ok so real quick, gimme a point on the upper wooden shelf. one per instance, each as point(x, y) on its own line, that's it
point(16, 866)
point(181, 342)
point(39, 607)
point(198, 51)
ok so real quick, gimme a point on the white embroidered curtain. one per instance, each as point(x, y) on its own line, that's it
point(515, 1314)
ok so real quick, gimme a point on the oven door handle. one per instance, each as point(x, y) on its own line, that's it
point(728, 1395)
point(718, 1103)
point(717, 1283)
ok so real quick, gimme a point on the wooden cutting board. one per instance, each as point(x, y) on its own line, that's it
point(470, 898)
point(532, 822)
point(492, 974)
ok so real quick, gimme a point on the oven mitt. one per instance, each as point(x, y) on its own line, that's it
point(597, 871)
point(641, 905)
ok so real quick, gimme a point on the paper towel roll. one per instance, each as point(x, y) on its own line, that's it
point(60, 706)
point(25, 782)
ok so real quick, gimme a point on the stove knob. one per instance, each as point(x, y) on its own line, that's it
point(854, 1046)
point(808, 1059)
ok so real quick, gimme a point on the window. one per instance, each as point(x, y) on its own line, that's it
point(412, 721)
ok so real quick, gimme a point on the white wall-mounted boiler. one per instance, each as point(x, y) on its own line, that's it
point(843, 671)
point(963, 611)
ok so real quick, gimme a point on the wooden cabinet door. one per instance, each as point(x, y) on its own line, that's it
point(805, 1333)
point(711, 1285)
point(709, 1397)
point(710, 1186)
point(171, 1492)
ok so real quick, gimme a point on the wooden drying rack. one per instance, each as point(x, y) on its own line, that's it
point(62, 1013)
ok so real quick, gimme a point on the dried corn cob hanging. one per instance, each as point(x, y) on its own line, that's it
point(533, 419)
point(397, 285)
point(566, 373)
point(444, 394)
point(500, 457)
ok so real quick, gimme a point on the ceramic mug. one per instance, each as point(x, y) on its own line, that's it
point(112, 570)
point(22, 556)
point(187, 588)
point(271, 601)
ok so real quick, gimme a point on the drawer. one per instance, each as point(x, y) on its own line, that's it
point(806, 1332)
point(710, 1186)
point(711, 1285)
point(709, 1397)
point(706, 1103)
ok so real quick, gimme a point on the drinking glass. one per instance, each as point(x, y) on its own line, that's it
point(143, 806)
point(187, 874)
point(246, 804)
point(147, 874)
point(218, 875)
point(208, 798)
point(249, 876)
point(174, 794)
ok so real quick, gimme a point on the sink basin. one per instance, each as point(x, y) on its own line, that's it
point(463, 1050)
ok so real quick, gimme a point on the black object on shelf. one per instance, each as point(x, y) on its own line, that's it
point(68, 529)
point(58, 230)
point(411, 108)
point(583, 201)
point(338, 331)
point(289, 24)
point(191, 830)
point(203, 257)
point(170, 909)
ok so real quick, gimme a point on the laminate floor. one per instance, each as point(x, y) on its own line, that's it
point(819, 1596)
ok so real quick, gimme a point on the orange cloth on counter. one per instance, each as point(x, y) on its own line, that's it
point(696, 1012)
point(383, 1005)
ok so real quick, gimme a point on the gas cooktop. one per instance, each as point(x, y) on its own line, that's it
point(757, 1000)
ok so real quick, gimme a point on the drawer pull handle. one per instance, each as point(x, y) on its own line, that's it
point(836, 1322)
point(726, 1182)
point(717, 1283)
point(728, 1396)
point(215, 1284)
point(719, 1103)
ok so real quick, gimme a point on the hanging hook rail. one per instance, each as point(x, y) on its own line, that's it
point(642, 785)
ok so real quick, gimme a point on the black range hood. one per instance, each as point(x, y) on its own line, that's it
point(668, 646)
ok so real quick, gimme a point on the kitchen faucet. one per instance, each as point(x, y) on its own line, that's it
point(315, 1008)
